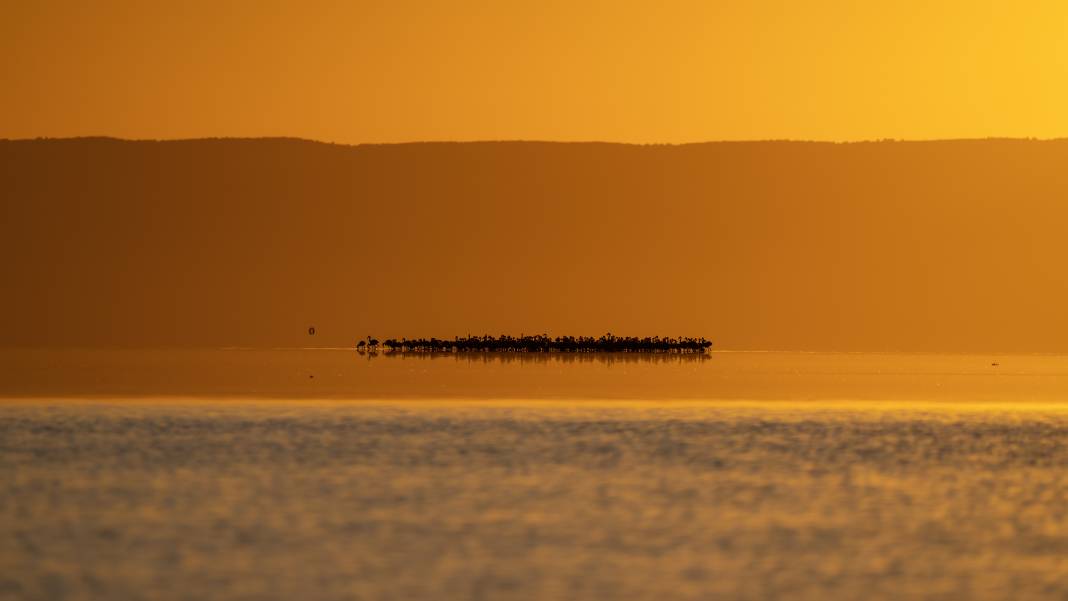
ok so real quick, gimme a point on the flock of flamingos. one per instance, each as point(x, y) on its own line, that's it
point(539, 344)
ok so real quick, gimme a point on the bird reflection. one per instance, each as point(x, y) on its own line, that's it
point(541, 358)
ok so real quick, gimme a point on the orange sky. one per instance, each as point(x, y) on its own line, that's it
point(666, 71)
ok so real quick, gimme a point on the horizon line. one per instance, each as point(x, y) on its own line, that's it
point(534, 141)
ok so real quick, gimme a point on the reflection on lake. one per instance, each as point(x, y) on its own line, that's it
point(549, 357)
point(802, 476)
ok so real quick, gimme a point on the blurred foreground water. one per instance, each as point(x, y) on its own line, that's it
point(321, 474)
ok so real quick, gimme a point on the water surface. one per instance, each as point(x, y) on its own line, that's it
point(345, 374)
point(236, 475)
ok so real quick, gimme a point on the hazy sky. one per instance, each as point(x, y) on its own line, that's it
point(620, 70)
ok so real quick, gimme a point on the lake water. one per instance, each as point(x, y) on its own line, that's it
point(323, 474)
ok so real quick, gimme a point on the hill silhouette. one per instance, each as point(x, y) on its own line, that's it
point(930, 246)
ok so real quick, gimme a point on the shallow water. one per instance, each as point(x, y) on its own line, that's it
point(345, 374)
point(767, 475)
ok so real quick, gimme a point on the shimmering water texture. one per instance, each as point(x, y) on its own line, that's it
point(448, 498)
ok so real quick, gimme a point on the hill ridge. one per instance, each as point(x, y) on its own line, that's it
point(930, 246)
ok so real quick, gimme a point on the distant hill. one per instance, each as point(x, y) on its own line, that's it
point(931, 246)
